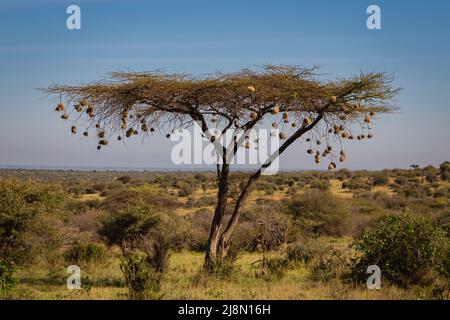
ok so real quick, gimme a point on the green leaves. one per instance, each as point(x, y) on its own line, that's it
point(405, 247)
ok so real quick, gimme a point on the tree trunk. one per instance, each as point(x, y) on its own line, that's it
point(211, 255)
point(219, 244)
point(224, 241)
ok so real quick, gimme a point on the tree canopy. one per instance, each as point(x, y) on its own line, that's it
point(294, 98)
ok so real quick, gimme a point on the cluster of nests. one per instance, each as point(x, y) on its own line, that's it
point(84, 105)
point(327, 152)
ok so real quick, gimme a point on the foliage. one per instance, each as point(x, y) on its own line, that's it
point(319, 213)
point(81, 253)
point(8, 279)
point(444, 170)
point(405, 248)
point(127, 225)
point(306, 250)
point(30, 214)
point(141, 277)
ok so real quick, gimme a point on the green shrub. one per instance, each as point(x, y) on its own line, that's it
point(380, 179)
point(272, 268)
point(8, 280)
point(85, 253)
point(319, 213)
point(141, 277)
point(320, 184)
point(127, 225)
point(357, 183)
point(30, 215)
point(444, 170)
point(405, 248)
point(335, 264)
point(306, 250)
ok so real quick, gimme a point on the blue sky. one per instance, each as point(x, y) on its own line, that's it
point(36, 50)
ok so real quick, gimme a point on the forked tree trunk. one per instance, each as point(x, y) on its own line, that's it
point(219, 243)
point(211, 255)
point(224, 242)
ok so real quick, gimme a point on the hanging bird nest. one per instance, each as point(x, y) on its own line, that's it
point(85, 133)
point(369, 136)
point(333, 99)
point(275, 110)
point(253, 115)
point(65, 116)
point(83, 103)
point(101, 134)
point(103, 142)
point(251, 88)
point(306, 122)
point(367, 119)
point(285, 116)
point(99, 147)
point(119, 138)
point(73, 129)
point(60, 107)
point(129, 132)
point(274, 124)
point(317, 158)
point(309, 151)
point(294, 125)
point(283, 135)
point(90, 111)
point(78, 108)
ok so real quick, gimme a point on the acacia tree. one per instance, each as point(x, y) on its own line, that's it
point(293, 99)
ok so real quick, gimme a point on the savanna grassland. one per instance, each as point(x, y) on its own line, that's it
point(303, 235)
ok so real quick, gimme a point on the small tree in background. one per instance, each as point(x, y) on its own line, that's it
point(319, 113)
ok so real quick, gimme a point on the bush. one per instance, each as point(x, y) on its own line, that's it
point(8, 280)
point(272, 268)
point(85, 253)
point(319, 213)
point(30, 214)
point(263, 233)
point(444, 170)
point(380, 179)
point(356, 183)
point(127, 225)
point(141, 277)
point(405, 248)
point(306, 250)
point(335, 264)
point(320, 184)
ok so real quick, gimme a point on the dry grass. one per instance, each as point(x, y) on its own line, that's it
point(183, 281)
